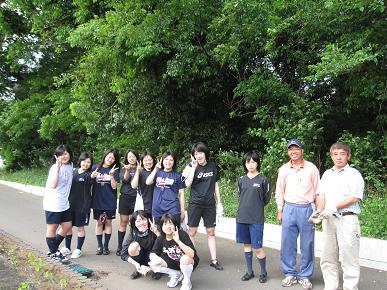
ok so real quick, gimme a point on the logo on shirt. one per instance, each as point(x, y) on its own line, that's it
point(175, 253)
point(164, 182)
point(207, 174)
point(256, 185)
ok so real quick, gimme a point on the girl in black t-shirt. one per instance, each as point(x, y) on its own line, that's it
point(80, 202)
point(128, 195)
point(139, 243)
point(174, 253)
point(144, 169)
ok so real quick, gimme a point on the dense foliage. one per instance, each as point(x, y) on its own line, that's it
point(162, 74)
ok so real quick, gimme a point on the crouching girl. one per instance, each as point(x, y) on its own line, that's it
point(174, 254)
point(138, 245)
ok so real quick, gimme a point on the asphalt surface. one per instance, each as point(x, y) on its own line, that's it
point(22, 216)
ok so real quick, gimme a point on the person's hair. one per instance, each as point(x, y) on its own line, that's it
point(200, 147)
point(340, 145)
point(166, 218)
point(116, 158)
point(84, 156)
point(165, 155)
point(251, 155)
point(126, 162)
point(133, 218)
point(147, 153)
point(59, 152)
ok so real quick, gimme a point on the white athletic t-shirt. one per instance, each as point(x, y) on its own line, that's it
point(57, 199)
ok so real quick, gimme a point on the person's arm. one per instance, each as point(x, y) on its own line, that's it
point(279, 196)
point(217, 193)
point(151, 177)
point(136, 177)
point(189, 179)
point(53, 175)
point(187, 250)
point(126, 174)
point(182, 204)
point(267, 192)
point(113, 181)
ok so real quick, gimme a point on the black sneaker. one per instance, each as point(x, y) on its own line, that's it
point(118, 252)
point(60, 258)
point(135, 275)
point(247, 276)
point(216, 265)
point(106, 251)
point(262, 278)
point(99, 251)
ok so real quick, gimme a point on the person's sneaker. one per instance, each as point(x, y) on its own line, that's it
point(174, 280)
point(106, 251)
point(305, 283)
point(289, 281)
point(262, 278)
point(247, 276)
point(135, 275)
point(65, 251)
point(118, 252)
point(76, 254)
point(60, 258)
point(216, 265)
point(156, 275)
point(99, 251)
point(186, 285)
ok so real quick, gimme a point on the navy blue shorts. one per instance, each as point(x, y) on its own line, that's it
point(110, 213)
point(126, 204)
point(250, 234)
point(58, 217)
point(142, 258)
point(80, 219)
point(196, 212)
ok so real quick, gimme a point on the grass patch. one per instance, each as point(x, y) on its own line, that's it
point(33, 176)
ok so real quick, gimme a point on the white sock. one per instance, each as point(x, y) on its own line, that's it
point(187, 271)
point(169, 271)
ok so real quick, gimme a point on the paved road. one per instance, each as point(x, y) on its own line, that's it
point(22, 216)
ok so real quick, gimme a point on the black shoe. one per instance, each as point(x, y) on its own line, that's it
point(247, 276)
point(99, 251)
point(262, 278)
point(216, 265)
point(156, 276)
point(106, 251)
point(118, 252)
point(135, 275)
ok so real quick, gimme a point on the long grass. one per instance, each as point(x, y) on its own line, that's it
point(33, 176)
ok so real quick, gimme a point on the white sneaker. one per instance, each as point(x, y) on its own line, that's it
point(65, 251)
point(186, 285)
point(175, 279)
point(76, 254)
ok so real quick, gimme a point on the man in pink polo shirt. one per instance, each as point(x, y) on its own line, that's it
point(297, 183)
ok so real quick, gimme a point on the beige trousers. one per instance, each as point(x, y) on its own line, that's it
point(341, 243)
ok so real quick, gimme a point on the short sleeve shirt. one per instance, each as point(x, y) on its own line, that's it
point(104, 196)
point(126, 187)
point(80, 194)
point(166, 193)
point(203, 185)
point(57, 199)
point(254, 193)
point(340, 185)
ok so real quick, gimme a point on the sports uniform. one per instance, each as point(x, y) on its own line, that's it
point(80, 198)
point(128, 194)
point(145, 240)
point(202, 198)
point(146, 191)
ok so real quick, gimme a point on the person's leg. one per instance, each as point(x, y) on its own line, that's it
point(329, 261)
point(348, 236)
point(192, 233)
point(81, 237)
point(65, 227)
point(108, 233)
point(51, 237)
point(289, 236)
point(194, 216)
point(307, 233)
point(249, 259)
point(124, 219)
point(68, 239)
point(186, 267)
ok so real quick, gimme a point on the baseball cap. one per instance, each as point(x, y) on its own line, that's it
point(294, 142)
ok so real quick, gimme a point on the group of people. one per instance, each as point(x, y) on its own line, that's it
point(157, 243)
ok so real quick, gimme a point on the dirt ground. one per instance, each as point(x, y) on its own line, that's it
point(24, 268)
